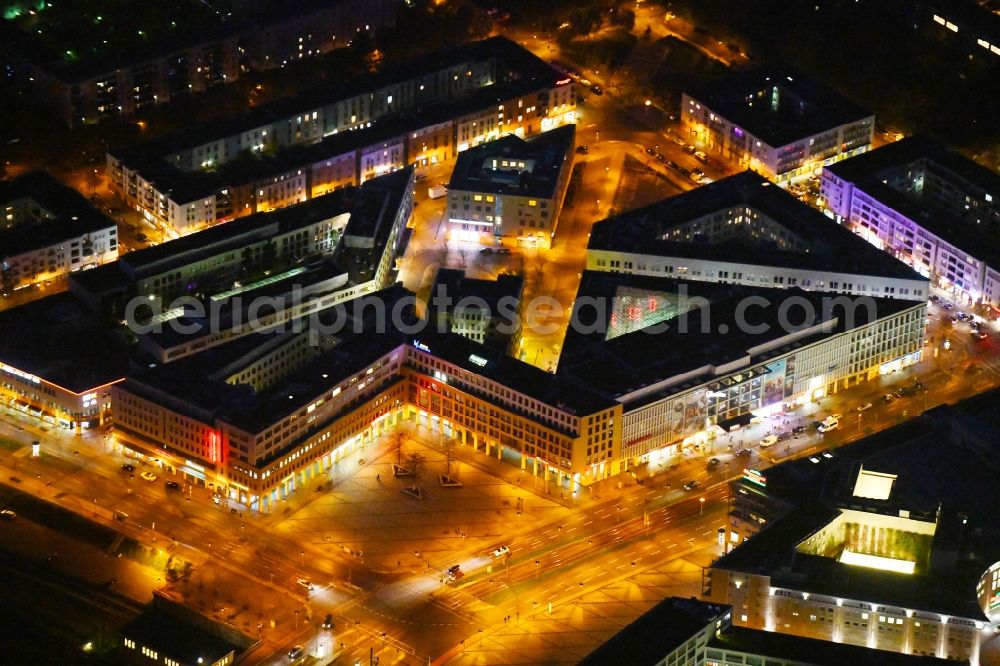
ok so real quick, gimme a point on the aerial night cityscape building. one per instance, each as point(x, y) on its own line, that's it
point(626, 332)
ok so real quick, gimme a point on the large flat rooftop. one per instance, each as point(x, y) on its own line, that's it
point(63, 214)
point(778, 106)
point(975, 229)
point(490, 168)
point(814, 241)
point(698, 331)
point(945, 463)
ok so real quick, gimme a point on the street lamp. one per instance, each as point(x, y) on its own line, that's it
point(701, 507)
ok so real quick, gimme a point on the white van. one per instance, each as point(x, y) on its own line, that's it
point(828, 424)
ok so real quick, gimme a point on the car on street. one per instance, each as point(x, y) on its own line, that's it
point(148, 476)
point(304, 582)
point(503, 250)
point(596, 90)
point(888, 397)
point(651, 151)
point(296, 652)
point(799, 429)
point(979, 336)
point(964, 316)
point(700, 156)
point(585, 82)
point(582, 150)
point(455, 572)
point(328, 621)
point(692, 485)
point(742, 452)
point(486, 250)
point(7, 514)
point(713, 463)
point(128, 467)
point(679, 141)
point(690, 150)
point(770, 440)
point(173, 485)
point(782, 436)
point(661, 158)
point(501, 551)
point(865, 406)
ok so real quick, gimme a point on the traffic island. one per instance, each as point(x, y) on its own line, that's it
point(399, 471)
point(414, 491)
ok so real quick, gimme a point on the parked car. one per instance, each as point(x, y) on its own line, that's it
point(690, 150)
point(799, 429)
point(148, 476)
point(713, 463)
point(701, 156)
point(979, 336)
point(596, 90)
point(503, 250)
point(770, 440)
point(651, 151)
point(864, 407)
point(501, 551)
point(486, 250)
point(128, 467)
point(661, 158)
point(888, 397)
point(782, 436)
point(173, 485)
point(743, 452)
point(583, 150)
point(303, 582)
point(7, 514)
point(692, 485)
point(296, 652)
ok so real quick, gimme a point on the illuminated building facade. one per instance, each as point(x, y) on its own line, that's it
point(418, 115)
point(929, 207)
point(782, 126)
point(48, 230)
point(511, 188)
point(872, 544)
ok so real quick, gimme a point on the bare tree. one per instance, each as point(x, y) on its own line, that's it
point(396, 444)
point(448, 446)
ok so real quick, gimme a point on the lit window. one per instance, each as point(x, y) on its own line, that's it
point(532, 202)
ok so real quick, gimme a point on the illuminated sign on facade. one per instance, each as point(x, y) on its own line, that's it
point(478, 360)
point(755, 477)
point(421, 346)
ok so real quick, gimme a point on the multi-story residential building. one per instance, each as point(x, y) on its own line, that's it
point(288, 31)
point(344, 136)
point(688, 632)
point(637, 379)
point(688, 268)
point(487, 311)
point(776, 123)
point(48, 231)
point(59, 358)
point(888, 543)
point(703, 235)
point(929, 207)
point(333, 391)
point(974, 24)
point(174, 54)
point(511, 188)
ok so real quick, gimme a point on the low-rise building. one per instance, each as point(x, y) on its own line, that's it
point(887, 543)
point(777, 123)
point(511, 188)
point(48, 231)
point(929, 207)
point(688, 632)
point(487, 311)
